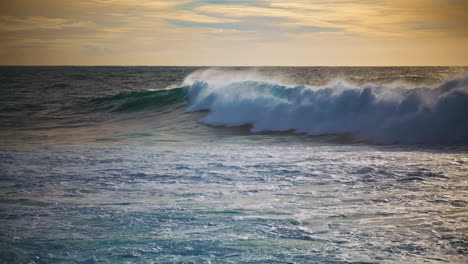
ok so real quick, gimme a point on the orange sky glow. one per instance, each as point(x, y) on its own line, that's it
point(229, 32)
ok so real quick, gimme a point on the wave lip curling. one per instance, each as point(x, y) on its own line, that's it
point(381, 114)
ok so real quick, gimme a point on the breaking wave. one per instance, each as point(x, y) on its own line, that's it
point(384, 114)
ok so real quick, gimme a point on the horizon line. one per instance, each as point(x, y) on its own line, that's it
point(223, 66)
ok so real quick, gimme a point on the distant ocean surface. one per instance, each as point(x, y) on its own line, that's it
point(233, 165)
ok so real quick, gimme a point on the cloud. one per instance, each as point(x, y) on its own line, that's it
point(191, 31)
point(11, 23)
point(255, 24)
point(190, 5)
point(190, 24)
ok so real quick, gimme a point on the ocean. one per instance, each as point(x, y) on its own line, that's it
point(233, 164)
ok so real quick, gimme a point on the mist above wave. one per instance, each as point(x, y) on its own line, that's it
point(383, 114)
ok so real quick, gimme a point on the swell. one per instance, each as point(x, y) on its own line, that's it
point(384, 114)
point(139, 100)
point(381, 114)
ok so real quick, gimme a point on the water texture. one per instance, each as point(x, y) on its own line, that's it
point(233, 165)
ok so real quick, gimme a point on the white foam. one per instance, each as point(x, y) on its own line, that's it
point(383, 114)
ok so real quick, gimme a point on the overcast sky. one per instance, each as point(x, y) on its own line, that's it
point(230, 32)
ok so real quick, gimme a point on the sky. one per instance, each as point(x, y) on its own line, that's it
point(234, 32)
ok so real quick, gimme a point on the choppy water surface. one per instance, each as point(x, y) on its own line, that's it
point(108, 168)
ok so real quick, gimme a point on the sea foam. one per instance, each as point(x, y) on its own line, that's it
point(383, 114)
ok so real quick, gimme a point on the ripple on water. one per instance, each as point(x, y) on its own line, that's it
point(299, 205)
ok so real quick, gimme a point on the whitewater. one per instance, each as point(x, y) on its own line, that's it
point(382, 114)
point(233, 165)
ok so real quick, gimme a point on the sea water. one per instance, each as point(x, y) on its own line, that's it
point(233, 165)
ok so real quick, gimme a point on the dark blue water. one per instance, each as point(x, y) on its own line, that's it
point(233, 165)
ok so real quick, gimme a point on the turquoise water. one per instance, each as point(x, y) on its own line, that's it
point(118, 165)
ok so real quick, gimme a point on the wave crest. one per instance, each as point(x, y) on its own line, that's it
point(141, 100)
point(382, 114)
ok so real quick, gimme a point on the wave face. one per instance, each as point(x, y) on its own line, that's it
point(383, 114)
point(139, 100)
